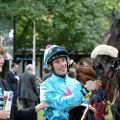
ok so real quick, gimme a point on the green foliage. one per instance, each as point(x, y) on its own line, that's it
point(76, 24)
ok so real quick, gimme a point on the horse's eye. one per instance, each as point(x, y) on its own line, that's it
point(116, 63)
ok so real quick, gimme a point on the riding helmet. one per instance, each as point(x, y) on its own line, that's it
point(53, 53)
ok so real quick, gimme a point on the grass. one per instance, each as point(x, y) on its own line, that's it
point(41, 115)
point(109, 116)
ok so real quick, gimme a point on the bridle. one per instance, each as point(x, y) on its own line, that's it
point(116, 70)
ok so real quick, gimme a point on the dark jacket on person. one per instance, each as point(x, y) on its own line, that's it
point(23, 114)
point(47, 76)
point(27, 87)
point(12, 81)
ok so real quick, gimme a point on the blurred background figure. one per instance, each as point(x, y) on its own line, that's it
point(38, 83)
point(11, 37)
point(27, 89)
point(46, 73)
point(8, 55)
point(72, 73)
point(71, 68)
point(12, 80)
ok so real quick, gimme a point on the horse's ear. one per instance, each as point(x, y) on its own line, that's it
point(113, 13)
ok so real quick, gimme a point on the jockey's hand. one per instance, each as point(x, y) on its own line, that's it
point(42, 105)
point(93, 85)
point(97, 84)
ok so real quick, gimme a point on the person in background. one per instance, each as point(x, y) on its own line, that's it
point(27, 89)
point(46, 73)
point(38, 83)
point(72, 73)
point(12, 80)
point(71, 68)
point(15, 114)
point(59, 91)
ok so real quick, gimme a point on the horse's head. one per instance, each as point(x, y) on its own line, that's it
point(112, 35)
point(105, 66)
point(107, 57)
point(105, 61)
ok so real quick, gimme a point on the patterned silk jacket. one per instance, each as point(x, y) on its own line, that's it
point(62, 94)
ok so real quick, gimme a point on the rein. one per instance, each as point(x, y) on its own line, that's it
point(116, 93)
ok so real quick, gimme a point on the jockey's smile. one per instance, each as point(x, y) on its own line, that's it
point(60, 66)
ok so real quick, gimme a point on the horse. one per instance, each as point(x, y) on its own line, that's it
point(107, 62)
point(85, 73)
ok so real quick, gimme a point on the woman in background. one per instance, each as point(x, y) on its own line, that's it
point(15, 114)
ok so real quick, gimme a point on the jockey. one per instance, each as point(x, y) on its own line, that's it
point(60, 91)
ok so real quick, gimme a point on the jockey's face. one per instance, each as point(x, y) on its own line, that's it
point(60, 66)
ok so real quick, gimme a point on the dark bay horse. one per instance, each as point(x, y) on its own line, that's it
point(107, 61)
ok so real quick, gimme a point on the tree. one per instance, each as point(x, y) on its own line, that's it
point(77, 25)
